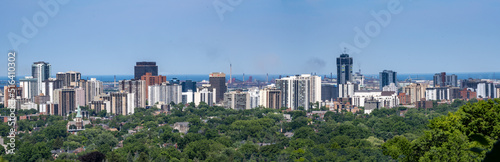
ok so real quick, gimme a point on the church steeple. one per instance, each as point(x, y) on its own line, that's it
point(78, 113)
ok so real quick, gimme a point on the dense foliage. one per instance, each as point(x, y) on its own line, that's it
point(218, 134)
point(465, 135)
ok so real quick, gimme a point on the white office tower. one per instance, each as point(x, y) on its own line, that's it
point(130, 103)
point(347, 90)
point(187, 97)
point(300, 90)
point(204, 95)
point(30, 87)
point(254, 97)
point(165, 93)
point(486, 90)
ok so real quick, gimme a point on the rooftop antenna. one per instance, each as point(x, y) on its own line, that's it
point(359, 68)
point(230, 73)
point(345, 50)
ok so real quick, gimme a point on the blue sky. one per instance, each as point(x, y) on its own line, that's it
point(258, 36)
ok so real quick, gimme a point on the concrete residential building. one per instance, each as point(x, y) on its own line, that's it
point(99, 106)
point(271, 98)
point(470, 83)
point(50, 109)
point(237, 100)
point(122, 103)
point(69, 78)
point(347, 90)
point(41, 72)
point(442, 80)
point(165, 93)
point(486, 90)
point(138, 88)
point(29, 86)
point(48, 87)
point(254, 94)
point(66, 100)
point(498, 91)
point(141, 68)
point(387, 77)
point(204, 95)
point(92, 87)
point(300, 90)
point(80, 96)
point(17, 92)
point(442, 93)
point(187, 97)
point(218, 85)
point(344, 69)
point(416, 91)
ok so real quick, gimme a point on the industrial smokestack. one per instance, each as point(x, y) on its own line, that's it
point(230, 73)
point(243, 77)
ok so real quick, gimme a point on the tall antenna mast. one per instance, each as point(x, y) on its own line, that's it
point(230, 73)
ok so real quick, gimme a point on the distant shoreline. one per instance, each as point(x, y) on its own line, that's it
point(262, 77)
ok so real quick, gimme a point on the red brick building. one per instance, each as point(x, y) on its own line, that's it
point(404, 99)
point(466, 94)
point(152, 80)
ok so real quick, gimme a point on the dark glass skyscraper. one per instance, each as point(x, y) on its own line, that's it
point(387, 77)
point(218, 82)
point(188, 85)
point(344, 69)
point(141, 68)
point(40, 71)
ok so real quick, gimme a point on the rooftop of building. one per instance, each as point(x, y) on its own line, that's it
point(145, 63)
point(40, 62)
point(344, 55)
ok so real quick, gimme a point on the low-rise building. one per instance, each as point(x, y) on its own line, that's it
point(387, 99)
point(182, 127)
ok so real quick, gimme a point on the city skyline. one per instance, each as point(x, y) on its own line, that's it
point(292, 38)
